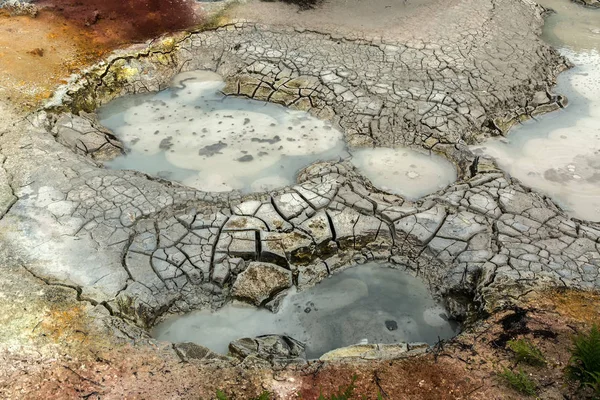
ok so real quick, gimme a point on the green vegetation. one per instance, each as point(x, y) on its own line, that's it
point(345, 393)
point(526, 352)
point(264, 396)
point(584, 365)
point(519, 381)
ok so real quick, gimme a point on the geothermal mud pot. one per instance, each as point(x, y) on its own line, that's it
point(230, 143)
point(141, 248)
point(559, 154)
point(366, 304)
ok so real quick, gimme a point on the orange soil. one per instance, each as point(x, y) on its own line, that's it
point(38, 53)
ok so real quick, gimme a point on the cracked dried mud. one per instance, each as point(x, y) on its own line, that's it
point(93, 257)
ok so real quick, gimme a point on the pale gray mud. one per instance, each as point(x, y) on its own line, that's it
point(394, 20)
point(140, 248)
point(404, 171)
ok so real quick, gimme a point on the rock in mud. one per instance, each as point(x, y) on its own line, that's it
point(191, 351)
point(261, 281)
point(588, 3)
point(269, 347)
point(373, 352)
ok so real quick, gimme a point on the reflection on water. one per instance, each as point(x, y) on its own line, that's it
point(559, 154)
point(367, 303)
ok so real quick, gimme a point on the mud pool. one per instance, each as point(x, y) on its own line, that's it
point(194, 134)
point(559, 153)
point(404, 171)
point(364, 304)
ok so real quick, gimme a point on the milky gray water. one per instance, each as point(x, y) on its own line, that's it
point(404, 171)
point(370, 303)
point(559, 153)
point(194, 134)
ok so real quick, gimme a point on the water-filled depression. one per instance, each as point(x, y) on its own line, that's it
point(404, 171)
point(370, 303)
point(559, 153)
point(194, 134)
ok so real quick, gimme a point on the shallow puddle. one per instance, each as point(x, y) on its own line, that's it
point(194, 134)
point(365, 304)
point(559, 153)
point(404, 171)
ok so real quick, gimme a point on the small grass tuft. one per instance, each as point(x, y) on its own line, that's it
point(221, 395)
point(584, 365)
point(263, 396)
point(519, 381)
point(343, 393)
point(526, 352)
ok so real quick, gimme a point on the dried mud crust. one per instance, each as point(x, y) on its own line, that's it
point(141, 247)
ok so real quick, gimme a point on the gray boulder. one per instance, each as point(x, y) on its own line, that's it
point(273, 348)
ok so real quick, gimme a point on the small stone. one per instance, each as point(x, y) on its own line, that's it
point(166, 143)
point(391, 325)
point(246, 158)
point(268, 347)
point(212, 149)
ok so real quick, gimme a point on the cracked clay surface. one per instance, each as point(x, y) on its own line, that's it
point(92, 257)
point(119, 234)
point(141, 247)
